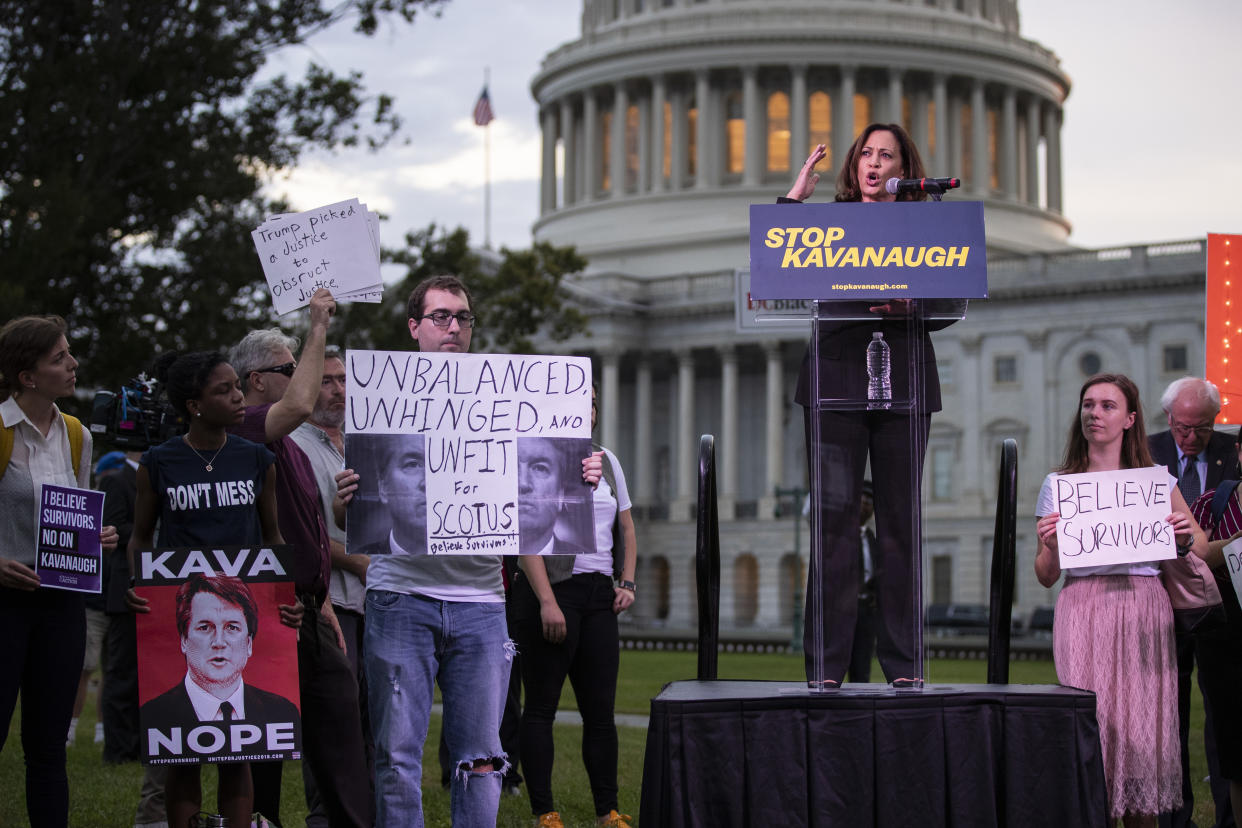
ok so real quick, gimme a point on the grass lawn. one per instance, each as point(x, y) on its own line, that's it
point(102, 796)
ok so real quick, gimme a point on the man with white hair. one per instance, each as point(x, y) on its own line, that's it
point(1199, 457)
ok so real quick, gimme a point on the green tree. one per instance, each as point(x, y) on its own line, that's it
point(514, 297)
point(134, 138)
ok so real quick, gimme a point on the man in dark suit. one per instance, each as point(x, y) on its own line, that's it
point(217, 619)
point(864, 624)
point(1199, 457)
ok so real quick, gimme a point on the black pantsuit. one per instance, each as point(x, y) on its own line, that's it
point(895, 440)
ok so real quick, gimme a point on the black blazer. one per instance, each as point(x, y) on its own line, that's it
point(1221, 460)
point(173, 708)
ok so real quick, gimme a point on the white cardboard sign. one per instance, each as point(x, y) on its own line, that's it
point(1113, 517)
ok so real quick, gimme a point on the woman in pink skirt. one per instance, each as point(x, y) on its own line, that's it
point(1113, 629)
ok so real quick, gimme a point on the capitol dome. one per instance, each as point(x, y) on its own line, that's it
point(667, 117)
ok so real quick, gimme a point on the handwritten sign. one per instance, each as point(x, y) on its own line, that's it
point(1233, 558)
point(67, 554)
point(1114, 517)
point(214, 635)
point(468, 453)
point(335, 247)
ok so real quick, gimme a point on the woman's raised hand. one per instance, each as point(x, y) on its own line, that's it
point(807, 178)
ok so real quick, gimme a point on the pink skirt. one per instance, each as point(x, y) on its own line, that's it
point(1113, 635)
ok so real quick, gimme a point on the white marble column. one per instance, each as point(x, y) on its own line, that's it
point(568, 156)
point(895, 95)
point(727, 446)
point(617, 160)
point(657, 134)
point(547, 180)
point(679, 140)
point(1052, 133)
point(1032, 151)
point(590, 146)
point(973, 379)
point(980, 158)
point(687, 450)
point(644, 459)
point(702, 130)
point(1009, 144)
point(940, 103)
point(799, 117)
point(773, 426)
point(609, 393)
point(843, 120)
point(755, 151)
point(919, 130)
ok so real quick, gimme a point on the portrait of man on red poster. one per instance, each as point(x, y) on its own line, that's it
point(217, 671)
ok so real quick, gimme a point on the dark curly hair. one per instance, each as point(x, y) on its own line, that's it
point(911, 163)
point(183, 376)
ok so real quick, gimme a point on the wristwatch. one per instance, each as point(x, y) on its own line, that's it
point(630, 585)
point(1183, 551)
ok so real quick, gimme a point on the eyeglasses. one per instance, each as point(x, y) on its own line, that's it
point(441, 318)
point(1185, 430)
point(287, 369)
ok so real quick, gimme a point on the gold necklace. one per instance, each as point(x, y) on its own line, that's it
point(186, 438)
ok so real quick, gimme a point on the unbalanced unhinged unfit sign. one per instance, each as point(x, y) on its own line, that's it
point(468, 453)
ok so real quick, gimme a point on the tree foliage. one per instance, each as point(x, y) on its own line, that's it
point(134, 138)
point(515, 296)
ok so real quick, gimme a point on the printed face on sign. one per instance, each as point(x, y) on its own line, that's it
point(1104, 413)
point(216, 644)
point(542, 477)
point(403, 488)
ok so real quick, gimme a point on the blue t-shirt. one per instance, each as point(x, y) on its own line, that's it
point(199, 507)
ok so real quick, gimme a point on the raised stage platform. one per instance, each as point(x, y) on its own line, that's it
point(763, 753)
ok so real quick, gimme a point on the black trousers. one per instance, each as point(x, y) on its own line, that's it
point(352, 627)
point(120, 690)
point(589, 656)
point(331, 732)
point(46, 634)
point(847, 439)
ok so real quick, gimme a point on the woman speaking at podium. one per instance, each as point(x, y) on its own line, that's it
point(849, 435)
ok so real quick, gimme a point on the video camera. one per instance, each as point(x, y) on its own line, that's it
point(136, 417)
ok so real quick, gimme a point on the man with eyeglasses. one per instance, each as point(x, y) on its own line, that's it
point(281, 393)
point(1199, 457)
point(437, 619)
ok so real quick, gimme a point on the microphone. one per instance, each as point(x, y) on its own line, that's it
point(920, 185)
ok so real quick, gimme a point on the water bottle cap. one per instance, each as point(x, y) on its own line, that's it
point(876, 335)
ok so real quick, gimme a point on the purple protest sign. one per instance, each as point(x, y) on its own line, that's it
point(68, 555)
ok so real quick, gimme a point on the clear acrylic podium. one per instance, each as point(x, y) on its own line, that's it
point(847, 431)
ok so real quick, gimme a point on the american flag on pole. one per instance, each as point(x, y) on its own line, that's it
point(483, 114)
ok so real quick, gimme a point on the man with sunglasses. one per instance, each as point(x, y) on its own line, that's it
point(1199, 457)
point(281, 393)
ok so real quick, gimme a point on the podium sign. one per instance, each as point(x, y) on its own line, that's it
point(899, 250)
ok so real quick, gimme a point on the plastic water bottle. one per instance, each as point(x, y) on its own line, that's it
point(879, 373)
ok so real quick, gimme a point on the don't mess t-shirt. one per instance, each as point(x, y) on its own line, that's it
point(208, 507)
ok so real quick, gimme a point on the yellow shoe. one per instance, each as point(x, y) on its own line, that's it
point(614, 820)
point(550, 820)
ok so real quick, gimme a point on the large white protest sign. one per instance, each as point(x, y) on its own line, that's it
point(1113, 517)
point(335, 247)
point(468, 453)
point(1233, 560)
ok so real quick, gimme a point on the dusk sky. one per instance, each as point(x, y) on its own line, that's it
point(1149, 138)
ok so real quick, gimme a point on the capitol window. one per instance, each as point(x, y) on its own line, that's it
point(778, 132)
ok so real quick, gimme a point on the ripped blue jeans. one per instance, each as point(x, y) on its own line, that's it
point(411, 644)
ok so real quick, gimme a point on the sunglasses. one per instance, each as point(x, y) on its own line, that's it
point(287, 369)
